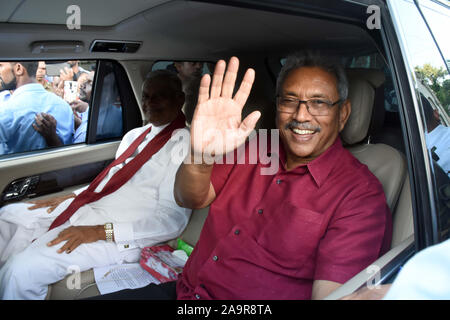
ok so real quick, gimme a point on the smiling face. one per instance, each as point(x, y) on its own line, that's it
point(160, 101)
point(85, 86)
point(305, 137)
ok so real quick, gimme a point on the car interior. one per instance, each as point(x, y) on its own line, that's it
point(201, 31)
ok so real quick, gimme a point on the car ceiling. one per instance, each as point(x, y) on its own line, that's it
point(54, 12)
point(169, 29)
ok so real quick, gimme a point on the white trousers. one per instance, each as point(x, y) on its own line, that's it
point(27, 267)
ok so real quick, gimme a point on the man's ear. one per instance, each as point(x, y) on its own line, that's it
point(18, 69)
point(344, 113)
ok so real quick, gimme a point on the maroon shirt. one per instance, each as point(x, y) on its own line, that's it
point(271, 236)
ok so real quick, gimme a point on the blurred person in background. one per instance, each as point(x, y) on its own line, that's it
point(41, 72)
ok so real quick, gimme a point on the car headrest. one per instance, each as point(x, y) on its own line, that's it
point(362, 86)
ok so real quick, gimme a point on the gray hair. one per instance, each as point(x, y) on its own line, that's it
point(315, 59)
point(172, 79)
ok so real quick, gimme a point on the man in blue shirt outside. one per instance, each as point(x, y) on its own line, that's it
point(17, 115)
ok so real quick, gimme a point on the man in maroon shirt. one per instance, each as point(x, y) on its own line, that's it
point(298, 233)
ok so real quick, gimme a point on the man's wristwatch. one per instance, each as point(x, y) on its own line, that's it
point(109, 231)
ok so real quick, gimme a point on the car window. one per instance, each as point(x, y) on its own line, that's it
point(433, 86)
point(53, 108)
point(374, 60)
point(437, 16)
point(110, 112)
point(43, 103)
point(190, 73)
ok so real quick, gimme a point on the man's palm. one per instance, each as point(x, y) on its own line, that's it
point(216, 126)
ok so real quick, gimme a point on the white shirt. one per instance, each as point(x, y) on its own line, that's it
point(143, 210)
point(424, 276)
point(440, 138)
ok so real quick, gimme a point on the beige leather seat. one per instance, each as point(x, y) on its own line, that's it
point(385, 162)
point(388, 165)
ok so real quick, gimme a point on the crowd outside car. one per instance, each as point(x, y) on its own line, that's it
point(109, 119)
point(46, 123)
point(46, 118)
point(29, 98)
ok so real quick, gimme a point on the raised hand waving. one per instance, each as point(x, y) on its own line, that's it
point(217, 126)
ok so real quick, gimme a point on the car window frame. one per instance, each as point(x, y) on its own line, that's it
point(419, 166)
point(131, 115)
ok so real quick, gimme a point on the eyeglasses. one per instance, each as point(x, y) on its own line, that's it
point(316, 107)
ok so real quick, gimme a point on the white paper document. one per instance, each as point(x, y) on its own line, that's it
point(123, 276)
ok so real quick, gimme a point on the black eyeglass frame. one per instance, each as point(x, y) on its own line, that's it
point(299, 102)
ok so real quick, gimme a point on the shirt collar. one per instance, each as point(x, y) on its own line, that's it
point(320, 167)
point(28, 87)
point(156, 129)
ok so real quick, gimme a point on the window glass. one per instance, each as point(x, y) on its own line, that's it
point(42, 103)
point(372, 61)
point(437, 15)
point(109, 123)
point(190, 73)
point(376, 61)
point(432, 79)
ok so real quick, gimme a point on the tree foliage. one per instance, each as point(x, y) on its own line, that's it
point(436, 79)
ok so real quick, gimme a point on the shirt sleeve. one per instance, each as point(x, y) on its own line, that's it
point(357, 234)
point(64, 118)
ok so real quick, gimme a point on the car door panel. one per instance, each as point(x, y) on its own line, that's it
point(57, 169)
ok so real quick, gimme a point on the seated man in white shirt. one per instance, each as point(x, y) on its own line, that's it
point(38, 244)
